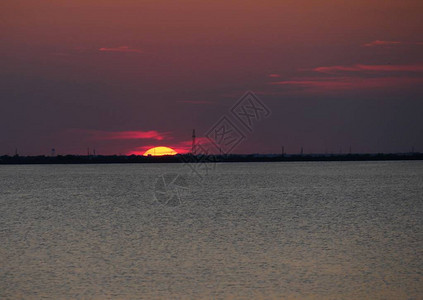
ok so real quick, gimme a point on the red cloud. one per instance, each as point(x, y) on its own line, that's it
point(350, 83)
point(127, 135)
point(333, 69)
point(381, 43)
point(357, 77)
point(373, 68)
point(203, 141)
point(120, 49)
point(196, 102)
point(274, 75)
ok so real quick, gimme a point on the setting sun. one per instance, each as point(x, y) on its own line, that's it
point(160, 151)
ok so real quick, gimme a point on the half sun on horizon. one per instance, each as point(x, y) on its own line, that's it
point(160, 151)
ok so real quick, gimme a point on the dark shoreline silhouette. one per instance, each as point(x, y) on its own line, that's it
point(112, 159)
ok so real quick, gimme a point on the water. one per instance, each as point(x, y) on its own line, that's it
point(323, 230)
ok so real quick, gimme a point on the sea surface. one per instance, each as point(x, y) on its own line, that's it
point(312, 230)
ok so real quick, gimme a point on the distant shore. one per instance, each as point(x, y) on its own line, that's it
point(188, 158)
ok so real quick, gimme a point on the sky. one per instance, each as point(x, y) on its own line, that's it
point(125, 76)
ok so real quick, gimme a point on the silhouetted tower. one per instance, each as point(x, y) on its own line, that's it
point(193, 141)
point(16, 152)
point(283, 151)
point(53, 152)
point(302, 151)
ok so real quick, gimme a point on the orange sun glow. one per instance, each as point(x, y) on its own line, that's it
point(160, 151)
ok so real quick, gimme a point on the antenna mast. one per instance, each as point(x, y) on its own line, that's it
point(193, 142)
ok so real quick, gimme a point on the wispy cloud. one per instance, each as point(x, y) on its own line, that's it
point(348, 83)
point(126, 135)
point(120, 49)
point(381, 43)
point(195, 101)
point(274, 75)
point(354, 77)
point(371, 68)
point(203, 141)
